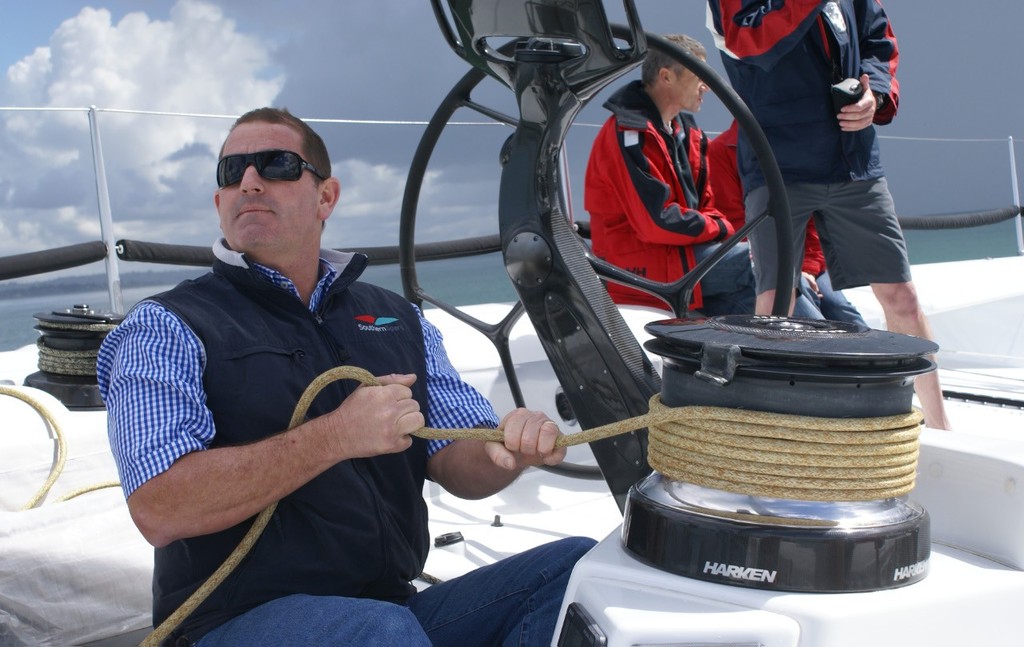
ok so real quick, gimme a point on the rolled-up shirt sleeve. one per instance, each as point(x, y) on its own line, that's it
point(150, 373)
point(453, 404)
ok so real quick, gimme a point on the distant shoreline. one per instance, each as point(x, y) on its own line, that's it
point(90, 283)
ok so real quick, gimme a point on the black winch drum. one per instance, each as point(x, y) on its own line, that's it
point(788, 366)
point(69, 340)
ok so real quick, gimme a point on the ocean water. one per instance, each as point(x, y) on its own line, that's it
point(483, 279)
point(456, 281)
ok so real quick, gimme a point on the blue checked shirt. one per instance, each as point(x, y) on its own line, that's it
point(150, 372)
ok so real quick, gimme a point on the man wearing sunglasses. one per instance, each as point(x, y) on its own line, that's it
point(200, 383)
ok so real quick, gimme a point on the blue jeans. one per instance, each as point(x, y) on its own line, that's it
point(832, 303)
point(728, 287)
point(803, 307)
point(512, 602)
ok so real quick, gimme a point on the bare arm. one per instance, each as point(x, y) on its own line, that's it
point(211, 490)
point(475, 469)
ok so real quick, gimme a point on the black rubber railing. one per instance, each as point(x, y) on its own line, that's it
point(62, 258)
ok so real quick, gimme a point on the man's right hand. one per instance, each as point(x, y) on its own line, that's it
point(812, 282)
point(375, 420)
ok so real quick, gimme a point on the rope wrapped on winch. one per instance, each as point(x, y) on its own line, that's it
point(69, 340)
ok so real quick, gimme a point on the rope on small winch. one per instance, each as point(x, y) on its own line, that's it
point(70, 361)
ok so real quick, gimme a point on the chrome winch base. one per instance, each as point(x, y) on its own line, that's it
point(776, 544)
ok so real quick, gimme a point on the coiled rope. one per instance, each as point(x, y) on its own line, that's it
point(81, 362)
point(62, 447)
point(61, 457)
point(750, 452)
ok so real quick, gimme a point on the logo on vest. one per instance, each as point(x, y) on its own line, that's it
point(373, 323)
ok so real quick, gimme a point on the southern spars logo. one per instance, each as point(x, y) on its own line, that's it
point(374, 323)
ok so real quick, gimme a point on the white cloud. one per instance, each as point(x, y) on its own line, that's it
point(354, 60)
point(28, 75)
point(196, 61)
point(368, 212)
point(369, 189)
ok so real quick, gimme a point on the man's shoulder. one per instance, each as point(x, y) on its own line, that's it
point(372, 289)
point(628, 107)
point(631, 120)
point(206, 288)
point(370, 294)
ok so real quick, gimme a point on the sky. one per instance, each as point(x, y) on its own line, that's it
point(386, 61)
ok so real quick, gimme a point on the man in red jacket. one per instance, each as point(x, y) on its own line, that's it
point(648, 194)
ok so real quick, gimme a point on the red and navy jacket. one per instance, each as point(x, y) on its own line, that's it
point(782, 58)
point(648, 194)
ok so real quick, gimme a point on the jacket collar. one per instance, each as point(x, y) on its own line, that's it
point(633, 107)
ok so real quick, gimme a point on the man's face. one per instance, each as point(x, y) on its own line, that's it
point(272, 221)
point(688, 90)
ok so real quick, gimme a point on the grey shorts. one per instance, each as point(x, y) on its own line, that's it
point(861, 238)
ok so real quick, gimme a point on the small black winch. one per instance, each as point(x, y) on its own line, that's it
point(69, 341)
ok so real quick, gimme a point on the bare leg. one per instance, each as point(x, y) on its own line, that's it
point(764, 303)
point(903, 315)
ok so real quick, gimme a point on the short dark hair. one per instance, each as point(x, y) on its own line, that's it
point(313, 150)
point(654, 61)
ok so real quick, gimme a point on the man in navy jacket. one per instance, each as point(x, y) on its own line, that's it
point(783, 59)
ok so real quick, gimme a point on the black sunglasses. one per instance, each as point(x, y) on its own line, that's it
point(271, 165)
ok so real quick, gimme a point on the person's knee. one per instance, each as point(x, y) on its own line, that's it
point(395, 622)
point(382, 624)
point(579, 546)
point(564, 553)
point(898, 300)
point(805, 308)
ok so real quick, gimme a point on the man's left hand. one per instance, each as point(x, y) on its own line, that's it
point(530, 438)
